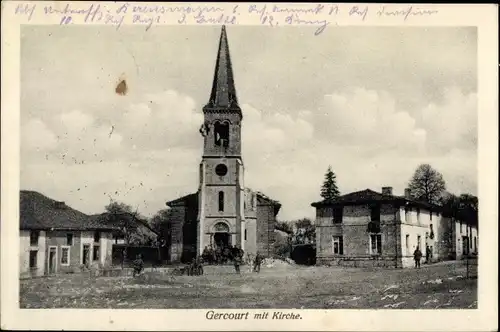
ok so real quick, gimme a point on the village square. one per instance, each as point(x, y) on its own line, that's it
point(221, 244)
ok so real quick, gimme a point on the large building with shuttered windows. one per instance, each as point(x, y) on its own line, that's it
point(368, 228)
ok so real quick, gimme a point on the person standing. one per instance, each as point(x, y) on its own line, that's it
point(138, 265)
point(257, 263)
point(427, 255)
point(237, 259)
point(417, 255)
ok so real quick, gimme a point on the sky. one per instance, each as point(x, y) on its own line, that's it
point(371, 102)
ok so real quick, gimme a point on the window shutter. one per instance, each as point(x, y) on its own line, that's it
point(341, 244)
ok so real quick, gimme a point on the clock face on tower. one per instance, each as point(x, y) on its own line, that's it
point(221, 170)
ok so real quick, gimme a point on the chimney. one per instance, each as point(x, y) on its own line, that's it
point(59, 205)
point(407, 193)
point(386, 190)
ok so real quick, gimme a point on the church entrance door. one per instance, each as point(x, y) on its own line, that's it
point(222, 239)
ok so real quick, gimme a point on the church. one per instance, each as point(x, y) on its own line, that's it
point(223, 212)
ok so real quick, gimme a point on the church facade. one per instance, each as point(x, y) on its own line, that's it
point(223, 212)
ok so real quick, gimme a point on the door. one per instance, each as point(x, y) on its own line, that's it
point(86, 255)
point(465, 245)
point(222, 240)
point(52, 260)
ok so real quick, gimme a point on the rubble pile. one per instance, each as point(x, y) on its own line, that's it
point(273, 262)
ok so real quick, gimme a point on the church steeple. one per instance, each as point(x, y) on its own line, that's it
point(223, 95)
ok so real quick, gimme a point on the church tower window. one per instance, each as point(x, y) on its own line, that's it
point(221, 201)
point(221, 133)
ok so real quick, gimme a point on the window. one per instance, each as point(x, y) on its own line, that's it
point(418, 215)
point(475, 243)
point(221, 201)
point(376, 244)
point(97, 237)
point(69, 239)
point(95, 255)
point(337, 245)
point(245, 234)
point(33, 259)
point(419, 238)
point(430, 214)
point(375, 213)
point(34, 236)
point(221, 134)
point(65, 255)
point(408, 244)
point(407, 214)
point(337, 215)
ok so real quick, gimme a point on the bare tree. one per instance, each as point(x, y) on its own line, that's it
point(427, 184)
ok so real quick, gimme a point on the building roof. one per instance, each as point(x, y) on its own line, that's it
point(40, 212)
point(223, 94)
point(183, 199)
point(369, 196)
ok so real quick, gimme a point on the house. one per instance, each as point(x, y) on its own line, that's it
point(368, 228)
point(464, 238)
point(57, 238)
point(222, 212)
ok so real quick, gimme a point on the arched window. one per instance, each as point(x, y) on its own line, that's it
point(221, 201)
point(221, 133)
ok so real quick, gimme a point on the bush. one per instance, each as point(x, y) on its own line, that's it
point(282, 250)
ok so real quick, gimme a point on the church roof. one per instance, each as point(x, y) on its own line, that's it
point(369, 196)
point(223, 95)
point(182, 199)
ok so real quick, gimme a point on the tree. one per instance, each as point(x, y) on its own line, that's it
point(129, 223)
point(162, 224)
point(329, 190)
point(283, 226)
point(306, 231)
point(427, 184)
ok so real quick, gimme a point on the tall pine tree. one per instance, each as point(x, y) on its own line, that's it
point(329, 189)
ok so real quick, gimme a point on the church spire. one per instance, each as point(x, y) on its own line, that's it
point(223, 95)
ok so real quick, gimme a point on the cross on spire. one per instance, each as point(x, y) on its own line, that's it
point(223, 95)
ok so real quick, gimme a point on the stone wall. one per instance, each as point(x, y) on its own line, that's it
point(356, 240)
point(265, 228)
point(176, 240)
point(59, 239)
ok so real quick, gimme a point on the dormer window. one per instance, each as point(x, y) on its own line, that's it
point(221, 133)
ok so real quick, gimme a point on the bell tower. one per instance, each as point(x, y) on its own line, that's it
point(221, 220)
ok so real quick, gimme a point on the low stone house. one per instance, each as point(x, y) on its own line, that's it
point(57, 238)
point(464, 239)
point(368, 228)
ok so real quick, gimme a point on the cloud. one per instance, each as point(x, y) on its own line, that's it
point(368, 118)
point(35, 135)
point(162, 120)
point(150, 151)
point(453, 122)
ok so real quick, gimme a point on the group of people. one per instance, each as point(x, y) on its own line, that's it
point(417, 256)
point(224, 254)
point(221, 254)
point(210, 256)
